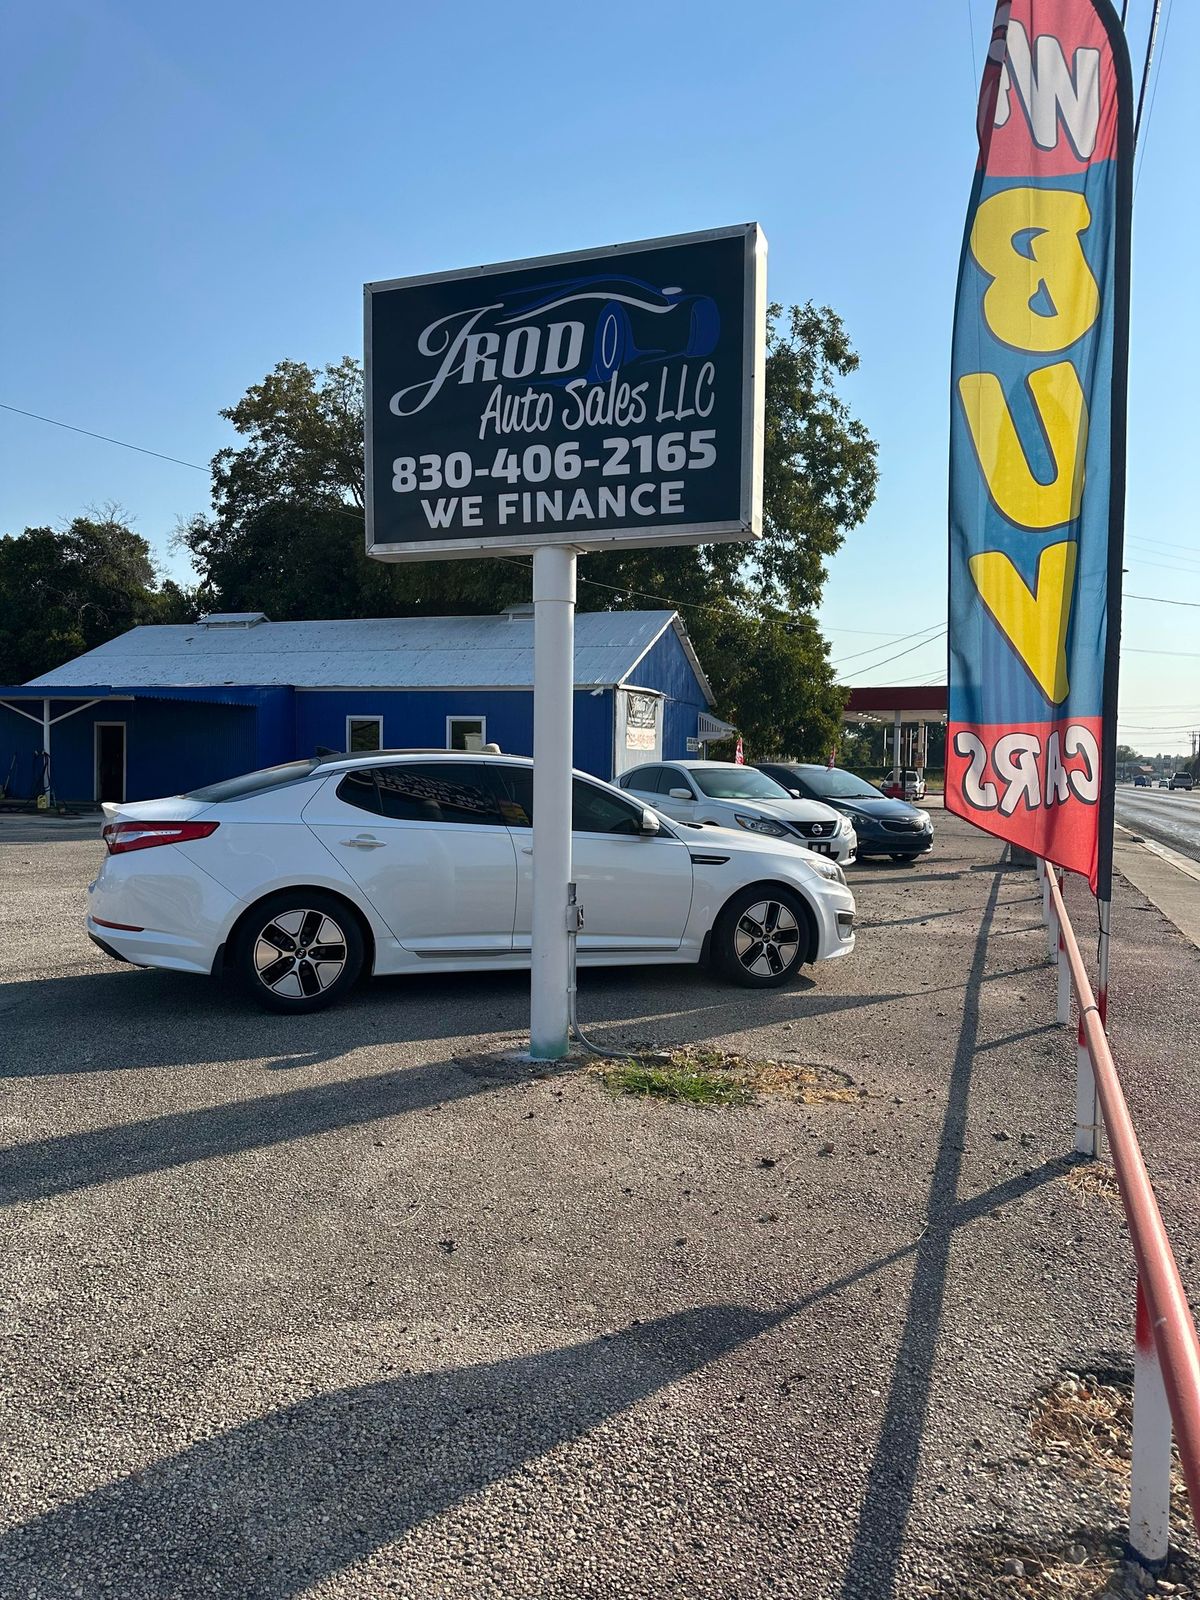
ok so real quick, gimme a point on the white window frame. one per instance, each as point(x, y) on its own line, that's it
point(369, 717)
point(124, 726)
point(483, 738)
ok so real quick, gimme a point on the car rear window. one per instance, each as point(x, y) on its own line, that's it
point(255, 782)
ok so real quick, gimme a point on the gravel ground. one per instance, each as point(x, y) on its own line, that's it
point(344, 1306)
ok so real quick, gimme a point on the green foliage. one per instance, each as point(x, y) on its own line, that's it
point(286, 535)
point(62, 593)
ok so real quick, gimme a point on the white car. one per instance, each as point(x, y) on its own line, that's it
point(734, 796)
point(298, 879)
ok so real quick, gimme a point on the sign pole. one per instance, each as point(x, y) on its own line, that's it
point(553, 743)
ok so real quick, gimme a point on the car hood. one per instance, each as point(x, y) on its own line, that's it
point(707, 838)
point(785, 810)
point(879, 810)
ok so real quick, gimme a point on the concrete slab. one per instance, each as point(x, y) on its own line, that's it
point(1169, 880)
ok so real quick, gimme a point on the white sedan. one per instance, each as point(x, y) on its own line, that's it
point(730, 795)
point(299, 879)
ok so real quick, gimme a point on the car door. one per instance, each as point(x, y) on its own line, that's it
point(635, 888)
point(670, 805)
point(426, 844)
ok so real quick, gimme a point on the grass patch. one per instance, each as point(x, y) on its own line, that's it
point(705, 1077)
point(1093, 1180)
point(1086, 1420)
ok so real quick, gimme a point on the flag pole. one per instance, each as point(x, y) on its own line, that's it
point(1116, 507)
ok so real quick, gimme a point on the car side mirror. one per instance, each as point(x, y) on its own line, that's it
point(680, 794)
point(649, 825)
point(795, 794)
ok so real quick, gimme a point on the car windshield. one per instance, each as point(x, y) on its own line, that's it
point(737, 783)
point(831, 783)
point(255, 782)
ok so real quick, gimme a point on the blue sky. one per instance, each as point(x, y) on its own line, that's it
point(193, 193)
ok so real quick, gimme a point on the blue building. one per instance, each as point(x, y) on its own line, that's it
point(164, 709)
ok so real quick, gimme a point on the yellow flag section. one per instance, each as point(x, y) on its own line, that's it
point(1034, 431)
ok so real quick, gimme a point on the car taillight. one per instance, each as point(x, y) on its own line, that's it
point(123, 836)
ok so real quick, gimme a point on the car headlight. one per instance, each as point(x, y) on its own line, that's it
point(827, 867)
point(923, 818)
point(760, 825)
point(846, 825)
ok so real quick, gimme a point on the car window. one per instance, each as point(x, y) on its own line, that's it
point(832, 783)
point(593, 810)
point(737, 783)
point(648, 780)
point(250, 783)
point(357, 788)
point(673, 778)
point(437, 791)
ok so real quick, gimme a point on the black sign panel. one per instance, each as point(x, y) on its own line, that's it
point(605, 397)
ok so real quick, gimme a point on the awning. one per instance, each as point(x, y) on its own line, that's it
point(713, 728)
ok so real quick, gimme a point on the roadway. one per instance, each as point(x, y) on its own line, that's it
point(1170, 818)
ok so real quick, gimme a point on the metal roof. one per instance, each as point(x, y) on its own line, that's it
point(380, 652)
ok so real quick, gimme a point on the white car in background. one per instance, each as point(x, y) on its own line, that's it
point(298, 879)
point(730, 795)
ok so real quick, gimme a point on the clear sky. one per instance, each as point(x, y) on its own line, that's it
point(194, 193)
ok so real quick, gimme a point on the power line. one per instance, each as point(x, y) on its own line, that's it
point(1154, 16)
point(107, 438)
point(900, 640)
point(1160, 601)
point(876, 664)
point(1154, 94)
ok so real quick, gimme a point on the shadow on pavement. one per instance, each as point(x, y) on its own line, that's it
point(887, 1502)
point(276, 1505)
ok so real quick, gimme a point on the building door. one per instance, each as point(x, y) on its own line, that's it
point(110, 761)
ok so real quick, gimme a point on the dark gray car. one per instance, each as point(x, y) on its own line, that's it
point(884, 827)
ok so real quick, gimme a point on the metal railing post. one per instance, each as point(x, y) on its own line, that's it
point(1064, 982)
point(1087, 1104)
point(1050, 915)
point(1150, 1483)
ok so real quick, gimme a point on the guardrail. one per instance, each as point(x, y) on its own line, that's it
point(1166, 1390)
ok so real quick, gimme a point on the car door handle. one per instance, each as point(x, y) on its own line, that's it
point(364, 841)
point(526, 849)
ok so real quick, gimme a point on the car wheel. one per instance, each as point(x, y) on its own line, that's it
point(762, 938)
point(298, 951)
point(613, 342)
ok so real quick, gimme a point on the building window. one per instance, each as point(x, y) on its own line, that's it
point(363, 734)
point(466, 733)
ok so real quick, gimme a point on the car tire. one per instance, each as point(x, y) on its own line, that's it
point(318, 937)
point(762, 938)
point(612, 343)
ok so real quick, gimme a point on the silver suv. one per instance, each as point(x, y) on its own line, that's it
point(733, 796)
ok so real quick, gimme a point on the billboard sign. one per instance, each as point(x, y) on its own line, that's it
point(1037, 442)
point(595, 399)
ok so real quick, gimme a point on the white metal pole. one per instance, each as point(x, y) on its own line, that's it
point(1064, 982)
point(1150, 1479)
point(896, 762)
point(553, 740)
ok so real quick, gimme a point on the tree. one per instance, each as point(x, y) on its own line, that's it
point(64, 592)
point(286, 534)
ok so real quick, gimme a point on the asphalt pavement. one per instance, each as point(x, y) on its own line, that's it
point(355, 1305)
point(1172, 817)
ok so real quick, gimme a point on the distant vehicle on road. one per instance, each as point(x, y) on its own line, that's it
point(298, 879)
point(1141, 781)
point(885, 827)
point(1182, 780)
point(1164, 783)
point(730, 795)
point(906, 785)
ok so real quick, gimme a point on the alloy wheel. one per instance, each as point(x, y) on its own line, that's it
point(767, 938)
point(300, 953)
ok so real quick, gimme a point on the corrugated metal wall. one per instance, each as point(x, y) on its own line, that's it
point(665, 667)
point(417, 718)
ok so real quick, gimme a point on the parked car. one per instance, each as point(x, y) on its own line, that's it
point(908, 784)
point(1182, 780)
point(1141, 781)
point(729, 795)
point(298, 879)
point(884, 827)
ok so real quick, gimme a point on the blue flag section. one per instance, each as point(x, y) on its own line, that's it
point(1037, 438)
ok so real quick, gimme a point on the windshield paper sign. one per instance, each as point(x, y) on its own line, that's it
point(1037, 433)
point(610, 396)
